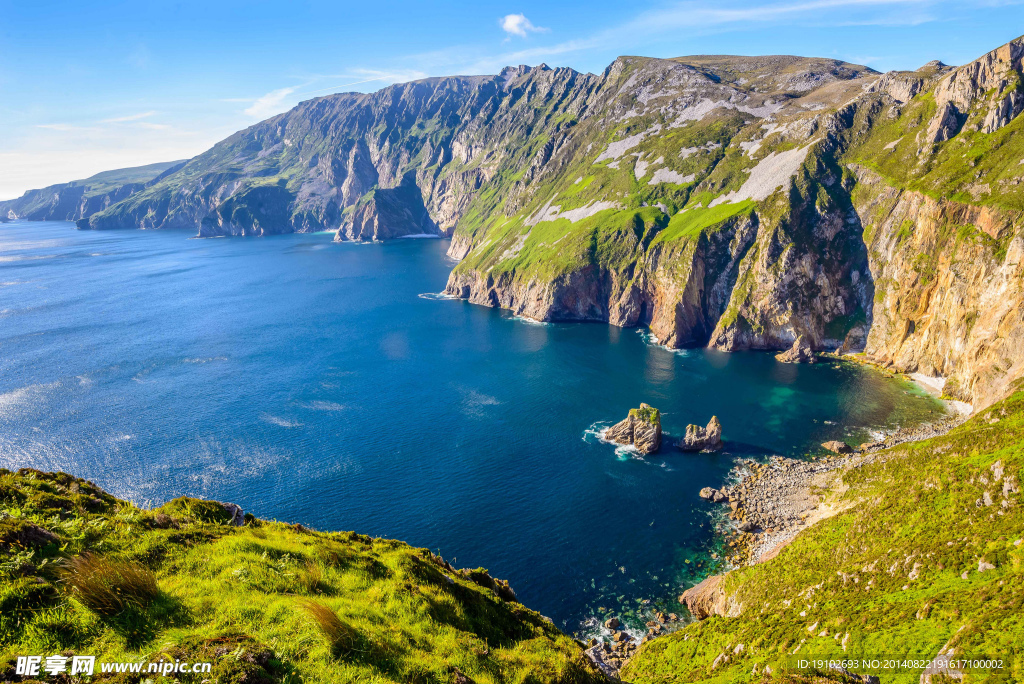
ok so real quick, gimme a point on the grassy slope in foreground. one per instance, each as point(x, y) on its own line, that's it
point(896, 574)
point(265, 602)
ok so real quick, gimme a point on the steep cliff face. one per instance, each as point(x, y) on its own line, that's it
point(706, 208)
point(949, 298)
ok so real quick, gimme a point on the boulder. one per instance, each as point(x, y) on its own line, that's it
point(800, 352)
point(699, 438)
point(612, 623)
point(713, 495)
point(838, 447)
point(641, 428)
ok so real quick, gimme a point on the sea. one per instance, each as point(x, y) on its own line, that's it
point(331, 384)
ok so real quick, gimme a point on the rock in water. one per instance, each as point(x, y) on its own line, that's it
point(838, 447)
point(800, 352)
point(702, 438)
point(641, 428)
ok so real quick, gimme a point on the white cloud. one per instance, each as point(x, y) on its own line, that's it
point(130, 117)
point(385, 78)
point(519, 25)
point(63, 127)
point(271, 103)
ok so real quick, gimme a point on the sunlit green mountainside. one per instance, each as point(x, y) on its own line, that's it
point(456, 139)
point(81, 198)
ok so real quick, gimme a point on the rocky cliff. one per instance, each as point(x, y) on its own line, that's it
point(864, 212)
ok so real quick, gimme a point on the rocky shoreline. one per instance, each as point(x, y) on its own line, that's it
point(769, 503)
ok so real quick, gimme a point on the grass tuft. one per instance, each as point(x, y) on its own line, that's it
point(109, 588)
point(341, 637)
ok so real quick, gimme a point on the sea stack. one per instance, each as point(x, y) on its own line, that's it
point(641, 428)
point(699, 438)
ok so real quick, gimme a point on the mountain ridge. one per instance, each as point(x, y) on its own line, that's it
point(737, 202)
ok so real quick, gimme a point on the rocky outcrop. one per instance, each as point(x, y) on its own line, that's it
point(990, 83)
point(699, 438)
point(709, 598)
point(641, 429)
point(388, 213)
point(800, 352)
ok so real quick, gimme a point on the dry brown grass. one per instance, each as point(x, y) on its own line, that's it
point(341, 636)
point(108, 588)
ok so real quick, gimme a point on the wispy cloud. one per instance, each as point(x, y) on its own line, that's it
point(271, 103)
point(519, 25)
point(703, 14)
point(130, 117)
point(370, 76)
point(63, 127)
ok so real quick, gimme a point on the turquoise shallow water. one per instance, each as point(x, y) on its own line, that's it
point(311, 382)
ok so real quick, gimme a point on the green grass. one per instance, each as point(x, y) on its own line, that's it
point(646, 413)
point(690, 223)
point(972, 167)
point(922, 507)
point(85, 572)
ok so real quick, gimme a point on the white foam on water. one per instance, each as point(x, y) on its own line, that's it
point(276, 420)
point(437, 296)
point(324, 406)
point(420, 236)
point(595, 433)
point(25, 399)
point(531, 322)
point(650, 338)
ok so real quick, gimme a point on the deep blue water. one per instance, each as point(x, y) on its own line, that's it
point(310, 382)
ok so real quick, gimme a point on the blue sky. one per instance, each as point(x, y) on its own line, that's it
point(86, 87)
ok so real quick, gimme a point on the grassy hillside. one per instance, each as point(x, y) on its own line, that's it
point(107, 181)
point(82, 572)
point(928, 556)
